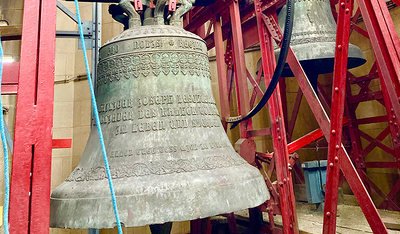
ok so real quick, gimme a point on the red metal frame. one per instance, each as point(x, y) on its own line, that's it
point(222, 74)
point(386, 46)
point(31, 168)
point(380, 32)
point(9, 83)
point(240, 66)
point(238, 26)
point(285, 185)
point(337, 108)
point(61, 143)
point(346, 166)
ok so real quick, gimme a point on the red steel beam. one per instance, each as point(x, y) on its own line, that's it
point(368, 96)
point(256, 82)
point(281, 154)
point(240, 65)
point(9, 83)
point(10, 73)
point(391, 194)
point(386, 45)
point(207, 13)
point(305, 140)
point(397, 2)
point(354, 180)
point(282, 87)
point(357, 158)
point(380, 164)
point(9, 89)
point(346, 165)
point(376, 119)
point(259, 132)
point(337, 110)
point(324, 98)
point(249, 24)
point(376, 142)
point(30, 194)
point(390, 118)
point(293, 117)
point(393, 124)
point(61, 143)
point(222, 74)
point(390, 202)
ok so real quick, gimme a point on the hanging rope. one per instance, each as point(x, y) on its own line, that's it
point(5, 150)
point(96, 115)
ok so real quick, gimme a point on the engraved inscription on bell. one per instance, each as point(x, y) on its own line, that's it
point(168, 152)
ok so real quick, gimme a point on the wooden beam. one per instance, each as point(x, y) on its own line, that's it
point(12, 32)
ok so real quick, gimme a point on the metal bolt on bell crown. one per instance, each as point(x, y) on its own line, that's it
point(169, 155)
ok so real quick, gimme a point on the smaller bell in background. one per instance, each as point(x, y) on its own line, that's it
point(314, 39)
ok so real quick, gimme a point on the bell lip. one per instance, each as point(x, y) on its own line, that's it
point(253, 188)
point(138, 32)
point(323, 63)
point(352, 63)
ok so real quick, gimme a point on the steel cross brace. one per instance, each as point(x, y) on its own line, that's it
point(222, 74)
point(385, 44)
point(344, 161)
point(31, 168)
point(240, 67)
point(241, 83)
point(281, 155)
point(337, 109)
point(355, 133)
point(346, 165)
point(359, 153)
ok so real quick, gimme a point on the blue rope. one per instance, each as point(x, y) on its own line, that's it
point(96, 115)
point(5, 149)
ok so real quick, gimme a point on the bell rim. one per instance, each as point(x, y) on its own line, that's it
point(193, 209)
point(309, 57)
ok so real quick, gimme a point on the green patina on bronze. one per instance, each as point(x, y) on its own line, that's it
point(169, 156)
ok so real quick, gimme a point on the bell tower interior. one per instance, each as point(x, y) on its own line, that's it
point(206, 128)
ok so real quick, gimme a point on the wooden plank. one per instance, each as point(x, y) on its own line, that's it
point(12, 32)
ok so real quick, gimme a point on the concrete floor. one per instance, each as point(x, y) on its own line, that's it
point(350, 219)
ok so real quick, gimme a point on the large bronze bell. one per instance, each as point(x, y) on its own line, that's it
point(314, 39)
point(168, 152)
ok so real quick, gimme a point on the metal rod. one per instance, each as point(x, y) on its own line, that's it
point(96, 18)
point(67, 11)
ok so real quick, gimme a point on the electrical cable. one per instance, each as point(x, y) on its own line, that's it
point(96, 115)
point(5, 150)
point(278, 70)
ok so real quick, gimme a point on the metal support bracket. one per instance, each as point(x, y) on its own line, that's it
point(88, 32)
